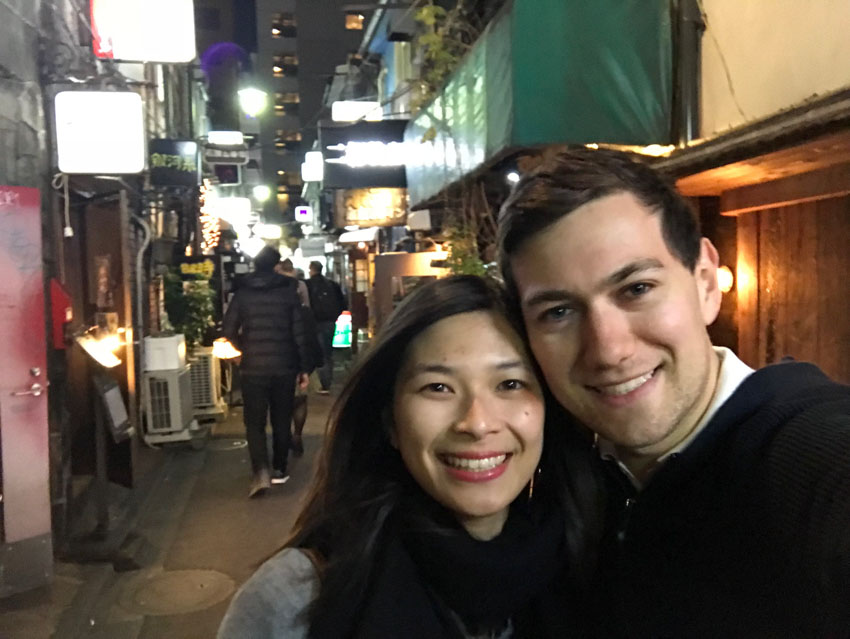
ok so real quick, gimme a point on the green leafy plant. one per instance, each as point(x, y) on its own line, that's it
point(462, 247)
point(446, 37)
point(189, 305)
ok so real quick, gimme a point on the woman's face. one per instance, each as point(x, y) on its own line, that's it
point(468, 417)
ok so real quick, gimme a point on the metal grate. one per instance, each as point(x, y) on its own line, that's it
point(168, 400)
point(205, 378)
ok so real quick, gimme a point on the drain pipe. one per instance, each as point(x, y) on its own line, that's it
point(689, 30)
point(140, 338)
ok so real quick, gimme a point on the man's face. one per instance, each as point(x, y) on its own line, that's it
point(617, 323)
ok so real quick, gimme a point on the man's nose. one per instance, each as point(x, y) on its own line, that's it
point(476, 417)
point(607, 338)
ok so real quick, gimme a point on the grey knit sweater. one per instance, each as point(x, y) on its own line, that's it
point(273, 603)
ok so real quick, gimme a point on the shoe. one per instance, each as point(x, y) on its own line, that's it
point(297, 447)
point(279, 477)
point(259, 484)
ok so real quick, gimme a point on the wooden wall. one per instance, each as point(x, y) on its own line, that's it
point(793, 280)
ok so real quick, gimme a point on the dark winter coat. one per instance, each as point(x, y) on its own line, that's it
point(326, 298)
point(265, 322)
point(746, 532)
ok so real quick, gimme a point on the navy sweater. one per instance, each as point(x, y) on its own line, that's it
point(745, 533)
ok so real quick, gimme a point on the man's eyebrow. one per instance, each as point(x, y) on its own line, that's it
point(549, 295)
point(618, 276)
point(628, 270)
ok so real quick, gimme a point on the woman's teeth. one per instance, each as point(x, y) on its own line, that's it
point(465, 463)
point(626, 387)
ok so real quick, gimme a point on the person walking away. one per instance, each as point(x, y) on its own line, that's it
point(265, 322)
point(327, 302)
point(728, 488)
point(299, 407)
point(285, 267)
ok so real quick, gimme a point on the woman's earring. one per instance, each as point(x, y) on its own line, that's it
point(531, 482)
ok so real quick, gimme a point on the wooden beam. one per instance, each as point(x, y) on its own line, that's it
point(823, 184)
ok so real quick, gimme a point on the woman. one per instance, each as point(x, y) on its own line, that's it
point(435, 513)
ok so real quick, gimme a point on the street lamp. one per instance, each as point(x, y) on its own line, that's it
point(253, 101)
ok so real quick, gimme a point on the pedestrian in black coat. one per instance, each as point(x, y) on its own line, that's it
point(265, 322)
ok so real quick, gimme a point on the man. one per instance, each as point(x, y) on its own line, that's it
point(264, 321)
point(299, 406)
point(285, 267)
point(327, 302)
point(728, 489)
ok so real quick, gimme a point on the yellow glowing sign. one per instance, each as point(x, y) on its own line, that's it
point(210, 225)
point(203, 269)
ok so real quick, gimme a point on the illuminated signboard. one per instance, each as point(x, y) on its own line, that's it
point(144, 30)
point(303, 214)
point(100, 132)
point(363, 155)
point(173, 162)
point(372, 207)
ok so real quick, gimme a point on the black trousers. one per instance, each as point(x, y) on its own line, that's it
point(263, 398)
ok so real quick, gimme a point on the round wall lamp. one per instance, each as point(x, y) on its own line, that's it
point(725, 279)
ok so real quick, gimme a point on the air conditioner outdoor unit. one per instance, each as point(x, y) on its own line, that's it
point(206, 383)
point(167, 399)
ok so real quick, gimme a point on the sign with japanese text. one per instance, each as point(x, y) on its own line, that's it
point(173, 162)
point(372, 207)
point(203, 269)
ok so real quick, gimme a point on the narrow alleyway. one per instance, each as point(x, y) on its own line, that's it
point(197, 538)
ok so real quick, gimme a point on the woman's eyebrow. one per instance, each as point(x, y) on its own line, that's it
point(418, 369)
point(515, 363)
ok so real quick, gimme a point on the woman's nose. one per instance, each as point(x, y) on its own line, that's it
point(476, 418)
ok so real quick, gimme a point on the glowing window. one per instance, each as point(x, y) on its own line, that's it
point(354, 21)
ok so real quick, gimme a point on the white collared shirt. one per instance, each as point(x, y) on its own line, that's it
point(732, 372)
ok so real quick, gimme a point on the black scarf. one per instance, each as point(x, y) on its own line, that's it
point(428, 576)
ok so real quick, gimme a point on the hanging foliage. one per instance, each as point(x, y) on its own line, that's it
point(447, 34)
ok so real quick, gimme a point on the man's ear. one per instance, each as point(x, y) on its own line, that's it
point(705, 274)
point(388, 426)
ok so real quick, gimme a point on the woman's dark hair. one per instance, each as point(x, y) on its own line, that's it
point(361, 477)
point(577, 176)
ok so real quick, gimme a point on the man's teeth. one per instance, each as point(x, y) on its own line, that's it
point(626, 387)
point(464, 463)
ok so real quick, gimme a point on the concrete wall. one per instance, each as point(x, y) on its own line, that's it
point(22, 143)
point(778, 54)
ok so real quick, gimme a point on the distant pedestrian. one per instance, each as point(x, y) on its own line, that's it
point(264, 320)
point(299, 407)
point(327, 302)
point(285, 267)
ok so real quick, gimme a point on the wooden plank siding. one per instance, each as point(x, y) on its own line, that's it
point(799, 305)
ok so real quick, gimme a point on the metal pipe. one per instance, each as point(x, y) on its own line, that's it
point(690, 27)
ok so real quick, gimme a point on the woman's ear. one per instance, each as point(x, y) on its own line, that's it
point(388, 426)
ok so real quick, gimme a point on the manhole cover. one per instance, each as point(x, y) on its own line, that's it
point(226, 444)
point(178, 591)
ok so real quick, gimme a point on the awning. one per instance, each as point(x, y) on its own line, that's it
point(548, 72)
point(369, 234)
